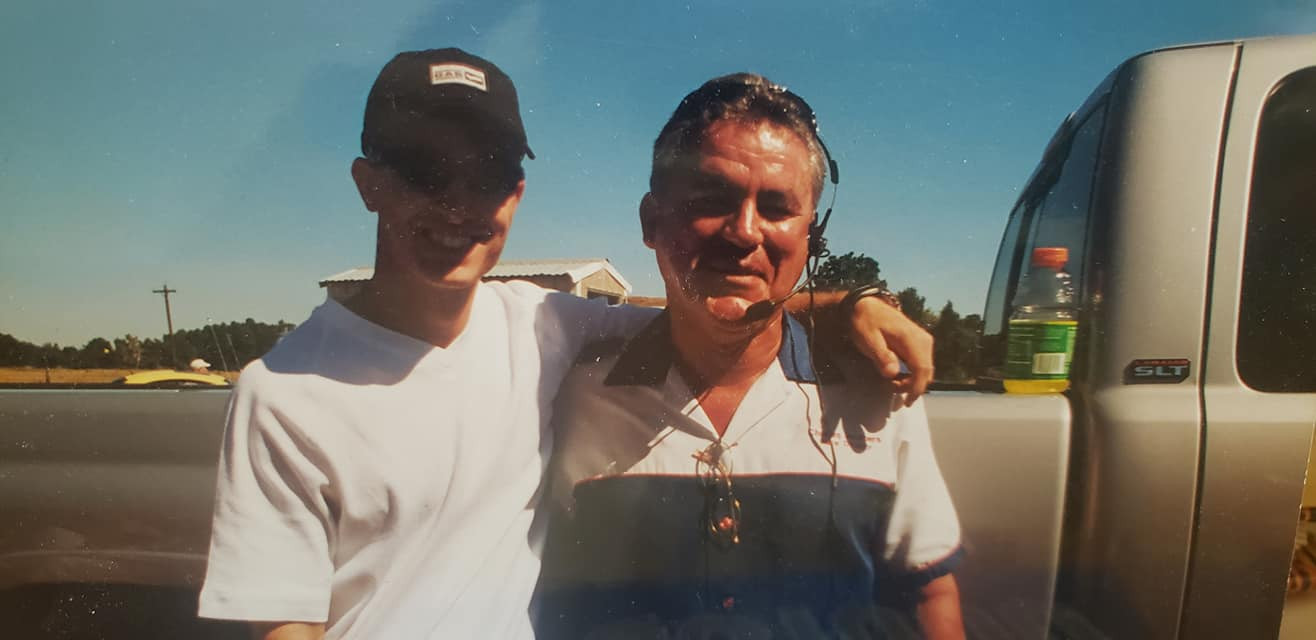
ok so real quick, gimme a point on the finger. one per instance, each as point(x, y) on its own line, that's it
point(921, 369)
point(897, 400)
point(905, 384)
point(918, 382)
point(885, 360)
point(878, 330)
point(888, 364)
point(905, 392)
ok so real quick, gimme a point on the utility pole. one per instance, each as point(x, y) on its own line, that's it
point(169, 318)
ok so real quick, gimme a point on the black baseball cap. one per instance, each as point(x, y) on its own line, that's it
point(440, 84)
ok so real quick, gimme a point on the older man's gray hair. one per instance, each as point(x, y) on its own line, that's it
point(738, 97)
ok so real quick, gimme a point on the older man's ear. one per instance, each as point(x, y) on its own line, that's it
point(648, 218)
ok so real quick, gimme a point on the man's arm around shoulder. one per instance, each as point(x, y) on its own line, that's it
point(876, 330)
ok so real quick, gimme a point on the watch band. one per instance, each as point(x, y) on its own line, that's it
point(869, 291)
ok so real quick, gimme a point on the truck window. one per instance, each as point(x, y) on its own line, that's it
point(1052, 212)
point(1278, 311)
point(1005, 272)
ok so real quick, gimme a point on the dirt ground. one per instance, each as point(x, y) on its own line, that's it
point(10, 375)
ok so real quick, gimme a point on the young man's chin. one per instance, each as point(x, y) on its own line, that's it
point(463, 273)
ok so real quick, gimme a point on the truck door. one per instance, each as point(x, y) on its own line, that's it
point(1259, 362)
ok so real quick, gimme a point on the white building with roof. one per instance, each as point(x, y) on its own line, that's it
point(584, 277)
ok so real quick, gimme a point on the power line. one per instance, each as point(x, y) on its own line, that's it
point(213, 335)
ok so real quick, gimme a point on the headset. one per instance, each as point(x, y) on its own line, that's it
point(817, 241)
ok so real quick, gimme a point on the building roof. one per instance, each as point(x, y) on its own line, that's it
point(576, 269)
point(359, 274)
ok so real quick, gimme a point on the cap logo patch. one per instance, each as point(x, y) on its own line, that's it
point(458, 74)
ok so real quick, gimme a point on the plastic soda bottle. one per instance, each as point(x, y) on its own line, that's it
point(1040, 343)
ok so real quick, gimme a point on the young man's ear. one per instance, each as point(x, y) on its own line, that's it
point(648, 218)
point(370, 182)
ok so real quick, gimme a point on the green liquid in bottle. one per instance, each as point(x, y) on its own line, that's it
point(1038, 354)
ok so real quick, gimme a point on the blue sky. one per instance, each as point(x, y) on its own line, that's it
point(207, 144)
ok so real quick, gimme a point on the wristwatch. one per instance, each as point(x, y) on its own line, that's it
point(869, 291)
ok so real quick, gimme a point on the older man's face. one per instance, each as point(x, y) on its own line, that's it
point(731, 227)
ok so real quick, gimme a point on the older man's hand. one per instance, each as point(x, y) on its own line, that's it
point(886, 336)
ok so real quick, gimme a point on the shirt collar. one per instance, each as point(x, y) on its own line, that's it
point(647, 357)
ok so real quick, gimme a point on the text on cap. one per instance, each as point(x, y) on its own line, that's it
point(457, 74)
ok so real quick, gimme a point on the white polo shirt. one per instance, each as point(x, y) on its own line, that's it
point(630, 548)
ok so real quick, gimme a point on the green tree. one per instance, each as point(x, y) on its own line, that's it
point(128, 352)
point(16, 353)
point(246, 340)
point(971, 328)
point(154, 353)
point(955, 353)
point(840, 273)
point(915, 306)
point(48, 355)
point(98, 353)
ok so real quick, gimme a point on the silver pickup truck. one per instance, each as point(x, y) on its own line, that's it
point(1158, 498)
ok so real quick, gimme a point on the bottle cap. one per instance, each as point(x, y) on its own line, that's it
point(1053, 257)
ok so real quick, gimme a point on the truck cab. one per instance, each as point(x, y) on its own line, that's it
point(1160, 496)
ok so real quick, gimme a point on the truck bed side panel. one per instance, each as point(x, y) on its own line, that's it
point(102, 486)
point(1005, 459)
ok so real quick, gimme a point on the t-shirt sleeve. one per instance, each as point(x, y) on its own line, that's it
point(269, 546)
point(580, 322)
point(923, 536)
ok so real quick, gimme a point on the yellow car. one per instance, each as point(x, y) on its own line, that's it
point(171, 378)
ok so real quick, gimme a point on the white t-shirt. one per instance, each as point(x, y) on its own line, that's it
point(388, 487)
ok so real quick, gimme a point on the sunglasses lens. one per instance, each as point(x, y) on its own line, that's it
point(430, 171)
point(721, 508)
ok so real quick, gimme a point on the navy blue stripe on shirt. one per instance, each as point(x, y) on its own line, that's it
point(634, 548)
point(794, 353)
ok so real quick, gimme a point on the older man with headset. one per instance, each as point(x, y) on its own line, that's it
point(714, 476)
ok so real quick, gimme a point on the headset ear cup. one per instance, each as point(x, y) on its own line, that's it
point(818, 242)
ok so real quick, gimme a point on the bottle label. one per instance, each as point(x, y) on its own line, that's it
point(1039, 350)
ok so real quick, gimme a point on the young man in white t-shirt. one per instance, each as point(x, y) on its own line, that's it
point(381, 465)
